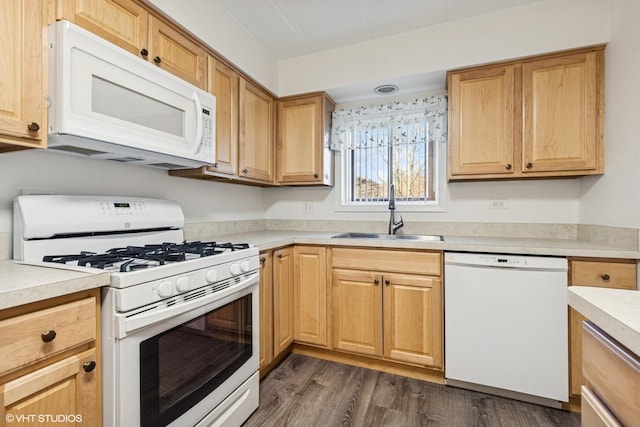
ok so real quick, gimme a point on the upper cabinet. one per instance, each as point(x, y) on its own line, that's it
point(304, 129)
point(256, 137)
point(534, 118)
point(22, 76)
point(130, 26)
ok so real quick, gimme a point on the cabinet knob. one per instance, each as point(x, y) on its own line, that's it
point(215, 164)
point(157, 60)
point(508, 166)
point(605, 277)
point(48, 336)
point(144, 52)
point(89, 366)
point(279, 256)
point(33, 127)
point(315, 175)
point(387, 282)
point(529, 165)
point(376, 282)
point(245, 171)
point(262, 260)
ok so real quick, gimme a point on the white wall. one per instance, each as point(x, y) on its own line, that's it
point(614, 199)
point(540, 27)
point(216, 27)
point(62, 174)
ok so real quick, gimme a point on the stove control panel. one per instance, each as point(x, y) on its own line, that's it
point(129, 208)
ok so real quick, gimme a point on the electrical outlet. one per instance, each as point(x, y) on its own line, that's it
point(308, 208)
point(499, 204)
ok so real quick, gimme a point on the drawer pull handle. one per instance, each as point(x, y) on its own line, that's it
point(89, 366)
point(605, 277)
point(48, 336)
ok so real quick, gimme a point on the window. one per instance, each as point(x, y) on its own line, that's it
point(398, 144)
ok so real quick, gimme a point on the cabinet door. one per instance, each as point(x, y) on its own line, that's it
point(481, 122)
point(560, 113)
point(282, 300)
point(300, 140)
point(62, 388)
point(310, 292)
point(266, 309)
point(357, 312)
point(22, 71)
point(223, 83)
point(257, 133)
point(602, 274)
point(413, 319)
point(177, 54)
point(122, 22)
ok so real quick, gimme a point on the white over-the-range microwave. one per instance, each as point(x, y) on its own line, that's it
point(106, 103)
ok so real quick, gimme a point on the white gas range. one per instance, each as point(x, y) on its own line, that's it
point(179, 319)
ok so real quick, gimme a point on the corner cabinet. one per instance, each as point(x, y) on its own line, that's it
point(388, 304)
point(310, 295)
point(51, 360)
point(539, 117)
point(304, 129)
point(607, 273)
point(131, 26)
point(22, 75)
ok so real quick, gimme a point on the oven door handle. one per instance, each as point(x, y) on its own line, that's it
point(126, 325)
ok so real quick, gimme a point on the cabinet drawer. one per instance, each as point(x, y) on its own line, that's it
point(23, 339)
point(604, 274)
point(409, 262)
point(613, 373)
point(594, 413)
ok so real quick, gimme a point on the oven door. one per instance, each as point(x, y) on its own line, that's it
point(176, 371)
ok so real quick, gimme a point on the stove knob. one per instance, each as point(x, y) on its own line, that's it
point(182, 284)
point(244, 266)
point(234, 269)
point(211, 275)
point(165, 289)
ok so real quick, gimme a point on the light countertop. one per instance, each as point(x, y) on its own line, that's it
point(24, 283)
point(615, 311)
point(266, 240)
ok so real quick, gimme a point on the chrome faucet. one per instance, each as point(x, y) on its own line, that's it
point(393, 225)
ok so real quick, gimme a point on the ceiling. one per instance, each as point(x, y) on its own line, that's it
point(293, 28)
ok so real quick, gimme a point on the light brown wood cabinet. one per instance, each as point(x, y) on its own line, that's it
point(256, 138)
point(223, 83)
point(533, 118)
point(51, 359)
point(276, 305)
point(612, 374)
point(23, 118)
point(310, 295)
point(304, 128)
point(618, 274)
point(388, 304)
point(130, 26)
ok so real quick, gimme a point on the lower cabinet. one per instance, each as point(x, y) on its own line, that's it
point(388, 304)
point(619, 274)
point(310, 295)
point(50, 365)
point(612, 373)
point(276, 305)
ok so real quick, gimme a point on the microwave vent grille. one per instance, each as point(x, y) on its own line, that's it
point(77, 150)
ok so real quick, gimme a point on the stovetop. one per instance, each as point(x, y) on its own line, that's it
point(132, 258)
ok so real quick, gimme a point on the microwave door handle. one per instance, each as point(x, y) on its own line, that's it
point(196, 99)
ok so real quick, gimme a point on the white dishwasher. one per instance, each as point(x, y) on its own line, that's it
point(506, 325)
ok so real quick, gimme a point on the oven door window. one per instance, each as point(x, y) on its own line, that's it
point(181, 366)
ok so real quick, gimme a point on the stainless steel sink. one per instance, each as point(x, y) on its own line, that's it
point(413, 237)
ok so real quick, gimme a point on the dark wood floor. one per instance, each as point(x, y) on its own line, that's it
point(304, 391)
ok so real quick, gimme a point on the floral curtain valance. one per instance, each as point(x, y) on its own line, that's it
point(405, 122)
